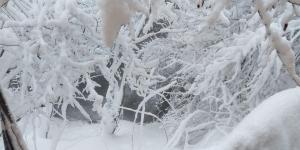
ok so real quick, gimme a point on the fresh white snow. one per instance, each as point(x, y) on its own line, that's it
point(83, 136)
point(273, 125)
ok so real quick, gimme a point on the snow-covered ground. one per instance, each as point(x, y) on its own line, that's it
point(82, 136)
point(272, 125)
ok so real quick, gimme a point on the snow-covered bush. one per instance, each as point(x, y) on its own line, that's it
point(227, 68)
point(51, 49)
point(211, 65)
point(47, 46)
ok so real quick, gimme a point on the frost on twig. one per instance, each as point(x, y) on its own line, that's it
point(159, 9)
point(282, 45)
point(285, 53)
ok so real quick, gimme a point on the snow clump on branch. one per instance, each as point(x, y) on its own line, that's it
point(116, 13)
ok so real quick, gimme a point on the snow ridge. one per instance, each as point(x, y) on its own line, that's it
point(273, 125)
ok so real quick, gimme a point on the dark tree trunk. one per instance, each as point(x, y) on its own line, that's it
point(11, 134)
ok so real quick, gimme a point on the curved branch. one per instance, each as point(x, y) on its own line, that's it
point(294, 2)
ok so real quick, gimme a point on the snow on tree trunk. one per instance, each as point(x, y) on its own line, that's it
point(111, 109)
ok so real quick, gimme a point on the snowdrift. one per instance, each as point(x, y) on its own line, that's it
point(273, 125)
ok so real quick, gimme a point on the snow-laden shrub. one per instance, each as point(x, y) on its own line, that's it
point(47, 46)
point(50, 49)
point(215, 65)
point(223, 70)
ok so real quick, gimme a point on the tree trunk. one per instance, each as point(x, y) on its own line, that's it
point(12, 136)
